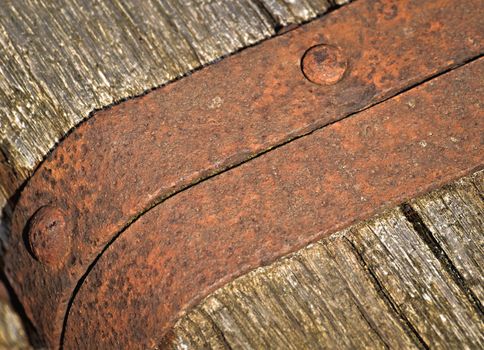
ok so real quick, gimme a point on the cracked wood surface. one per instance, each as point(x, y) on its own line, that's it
point(384, 283)
point(59, 61)
point(408, 278)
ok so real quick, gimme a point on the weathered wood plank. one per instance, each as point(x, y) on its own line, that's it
point(455, 217)
point(12, 334)
point(416, 283)
point(378, 284)
point(59, 61)
point(366, 287)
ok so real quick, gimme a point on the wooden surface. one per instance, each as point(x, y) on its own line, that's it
point(12, 334)
point(59, 61)
point(408, 278)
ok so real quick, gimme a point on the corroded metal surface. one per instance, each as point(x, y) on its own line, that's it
point(126, 159)
point(47, 237)
point(247, 217)
point(324, 64)
point(60, 60)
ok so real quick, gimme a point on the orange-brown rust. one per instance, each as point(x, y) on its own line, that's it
point(324, 64)
point(49, 236)
point(132, 156)
point(251, 215)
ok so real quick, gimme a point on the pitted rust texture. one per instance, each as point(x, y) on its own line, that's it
point(49, 236)
point(324, 64)
point(249, 216)
point(128, 158)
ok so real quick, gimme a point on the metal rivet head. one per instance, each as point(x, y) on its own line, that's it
point(324, 64)
point(49, 237)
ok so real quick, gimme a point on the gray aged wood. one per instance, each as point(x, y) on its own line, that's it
point(60, 60)
point(458, 228)
point(12, 334)
point(409, 278)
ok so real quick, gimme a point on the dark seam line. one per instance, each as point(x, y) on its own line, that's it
point(426, 235)
point(230, 167)
point(12, 201)
point(278, 31)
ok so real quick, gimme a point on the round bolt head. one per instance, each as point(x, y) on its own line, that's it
point(324, 64)
point(49, 237)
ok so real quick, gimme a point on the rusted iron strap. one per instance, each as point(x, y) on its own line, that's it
point(247, 217)
point(130, 157)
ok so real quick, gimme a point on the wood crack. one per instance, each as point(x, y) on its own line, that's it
point(216, 329)
point(268, 14)
point(426, 235)
point(386, 297)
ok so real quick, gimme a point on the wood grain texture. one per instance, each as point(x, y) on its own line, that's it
point(408, 278)
point(59, 61)
point(455, 219)
point(12, 334)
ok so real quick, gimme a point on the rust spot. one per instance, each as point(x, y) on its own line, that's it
point(202, 238)
point(49, 237)
point(324, 64)
point(133, 156)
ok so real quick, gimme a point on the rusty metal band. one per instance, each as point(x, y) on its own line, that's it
point(129, 158)
point(249, 216)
